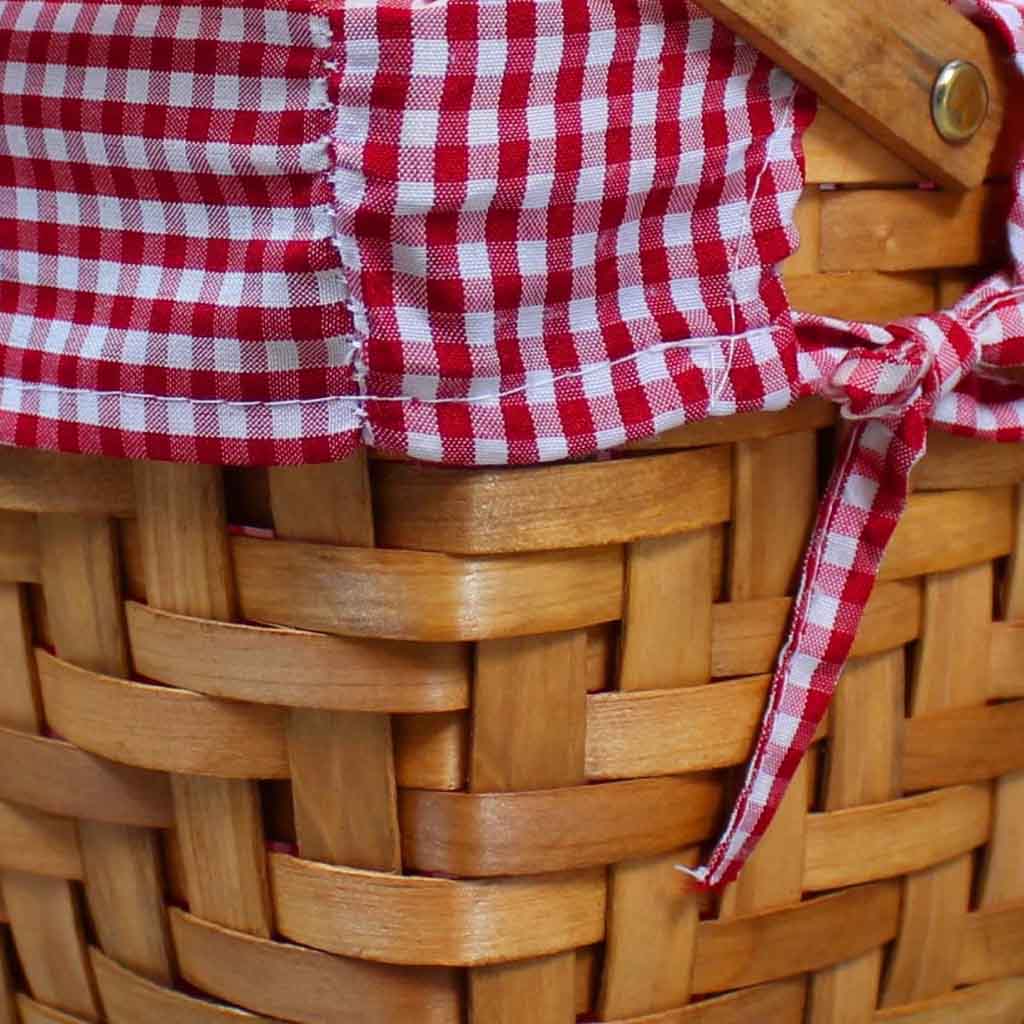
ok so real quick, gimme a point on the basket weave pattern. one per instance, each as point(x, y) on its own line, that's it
point(432, 753)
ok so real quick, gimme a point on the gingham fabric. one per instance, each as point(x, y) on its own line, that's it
point(478, 232)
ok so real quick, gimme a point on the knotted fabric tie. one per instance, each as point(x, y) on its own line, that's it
point(890, 393)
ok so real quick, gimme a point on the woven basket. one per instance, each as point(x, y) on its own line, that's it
point(501, 706)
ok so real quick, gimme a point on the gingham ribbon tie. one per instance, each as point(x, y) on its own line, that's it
point(925, 360)
point(890, 392)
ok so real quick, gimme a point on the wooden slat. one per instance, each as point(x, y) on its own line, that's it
point(667, 622)
point(187, 567)
point(487, 834)
point(673, 731)
point(996, 1001)
point(954, 645)
point(20, 702)
point(303, 985)
point(543, 987)
point(863, 768)
point(993, 944)
point(19, 547)
point(775, 501)
point(342, 762)
point(121, 864)
point(528, 722)
point(1002, 874)
point(297, 669)
point(910, 229)
point(811, 935)
point(840, 153)
point(37, 843)
point(950, 529)
point(132, 999)
point(807, 221)
point(36, 1013)
point(864, 295)
point(326, 504)
point(895, 838)
point(746, 635)
point(58, 778)
point(412, 595)
point(37, 481)
point(415, 920)
point(781, 1002)
point(666, 644)
point(163, 729)
point(965, 745)
point(48, 935)
point(343, 782)
point(1007, 654)
point(806, 414)
point(432, 751)
point(958, 462)
point(876, 64)
point(571, 506)
point(528, 714)
point(183, 539)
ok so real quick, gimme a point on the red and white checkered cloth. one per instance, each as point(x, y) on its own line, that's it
point(478, 232)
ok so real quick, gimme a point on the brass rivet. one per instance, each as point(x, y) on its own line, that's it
point(959, 101)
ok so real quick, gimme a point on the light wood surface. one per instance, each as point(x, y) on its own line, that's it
point(37, 843)
point(895, 838)
point(48, 935)
point(132, 999)
point(894, 230)
point(876, 63)
point(163, 729)
point(103, 790)
point(993, 944)
point(996, 1001)
point(840, 153)
point(1002, 874)
point(966, 745)
point(864, 295)
point(19, 548)
point(486, 834)
point(950, 529)
point(688, 730)
point(20, 703)
point(297, 669)
point(342, 763)
point(38, 481)
point(935, 901)
point(763, 947)
point(121, 864)
point(300, 984)
point(411, 595)
point(187, 569)
point(572, 506)
point(863, 768)
point(666, 644)
point(528, 733)
point(416, 920)
point(36, 1013)
point(432, 751)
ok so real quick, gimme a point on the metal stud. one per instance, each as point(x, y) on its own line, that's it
point(959, 101)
